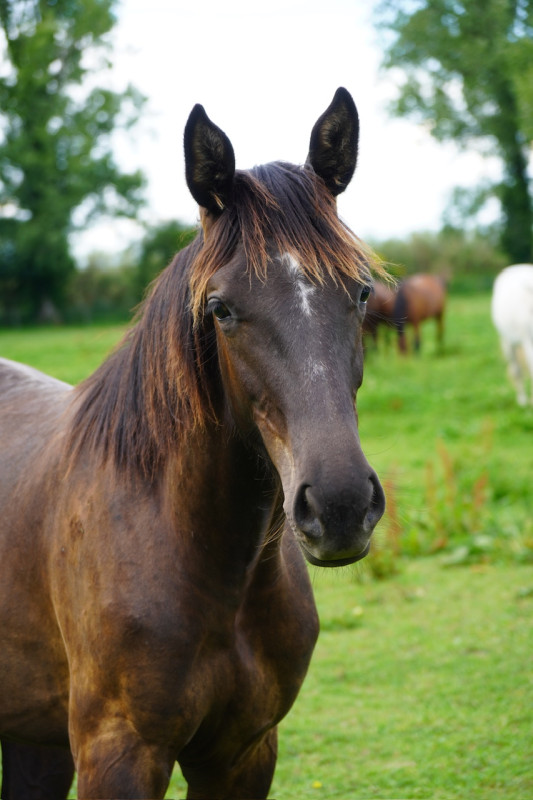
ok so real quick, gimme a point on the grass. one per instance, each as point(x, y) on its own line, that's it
point(420, 687)
point(445, 432)
point(421, 684)
point(69, 353)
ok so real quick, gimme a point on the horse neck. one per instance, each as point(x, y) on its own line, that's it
point(226, 502)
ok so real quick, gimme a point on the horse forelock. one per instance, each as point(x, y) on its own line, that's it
point(156, 389)
point(282, 208)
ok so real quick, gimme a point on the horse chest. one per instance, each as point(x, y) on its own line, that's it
point(251, 680)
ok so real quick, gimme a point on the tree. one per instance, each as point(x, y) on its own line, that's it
point(56, 165)
point(158, 247)
point(467, 72)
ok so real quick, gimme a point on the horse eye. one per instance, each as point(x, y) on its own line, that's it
point(365, 294)
point(220, 311)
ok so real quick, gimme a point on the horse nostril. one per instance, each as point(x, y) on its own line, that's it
point(306, 513)
point(377, 503)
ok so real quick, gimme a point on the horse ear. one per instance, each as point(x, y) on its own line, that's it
point(209, 162)
point(334, 142)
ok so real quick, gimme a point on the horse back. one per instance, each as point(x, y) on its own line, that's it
point(30, 407)
point(421, 297)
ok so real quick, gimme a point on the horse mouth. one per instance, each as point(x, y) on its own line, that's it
point(334, 562)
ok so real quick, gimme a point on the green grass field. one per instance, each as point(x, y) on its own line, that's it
point(421, 687)
point(445, 433)
point(422, 682)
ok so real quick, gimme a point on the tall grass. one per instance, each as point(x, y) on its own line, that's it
point(444, 432)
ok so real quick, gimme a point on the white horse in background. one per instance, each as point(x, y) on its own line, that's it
point(512, 314)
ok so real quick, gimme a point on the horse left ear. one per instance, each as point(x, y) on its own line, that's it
point(209, 162)
point(334, 142)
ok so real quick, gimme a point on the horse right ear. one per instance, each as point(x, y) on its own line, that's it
point(209, 162)
point(334, 143)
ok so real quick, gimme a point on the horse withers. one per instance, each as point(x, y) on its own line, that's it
point(155, 604)
point(512, 315)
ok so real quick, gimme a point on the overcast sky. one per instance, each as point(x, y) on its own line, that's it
point(265, 71)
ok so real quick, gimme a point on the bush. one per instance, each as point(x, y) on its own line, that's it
point(467, 261)
point(101, 292)
point(109, 289)
point(157, 249)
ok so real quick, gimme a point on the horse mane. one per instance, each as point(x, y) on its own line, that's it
point(159, 385)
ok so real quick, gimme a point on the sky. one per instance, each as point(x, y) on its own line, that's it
point(264, 72)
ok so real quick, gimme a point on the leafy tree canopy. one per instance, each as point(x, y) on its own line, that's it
point(466, 71)
point(158, 247)
point(55, 143)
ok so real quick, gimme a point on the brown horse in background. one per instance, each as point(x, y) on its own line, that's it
point(418, 298)
point(155, 604)
point(379, 308)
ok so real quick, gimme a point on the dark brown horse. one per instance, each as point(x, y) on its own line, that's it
point(155, 603)
point(419, 297)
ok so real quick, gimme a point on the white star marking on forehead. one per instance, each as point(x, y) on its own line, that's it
point(304, 290)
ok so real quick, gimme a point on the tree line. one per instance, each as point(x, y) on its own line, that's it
point(464, 69)
point(110, 289)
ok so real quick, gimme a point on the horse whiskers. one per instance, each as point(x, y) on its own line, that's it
point(274, 533)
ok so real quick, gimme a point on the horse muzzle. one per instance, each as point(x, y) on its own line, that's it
point(334, 524)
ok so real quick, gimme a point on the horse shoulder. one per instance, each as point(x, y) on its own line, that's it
point(131, 624)
point(261, 669)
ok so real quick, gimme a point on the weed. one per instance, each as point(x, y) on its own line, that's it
point(459, 449)
point(384, 558)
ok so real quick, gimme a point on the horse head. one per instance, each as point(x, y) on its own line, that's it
point(283, 284)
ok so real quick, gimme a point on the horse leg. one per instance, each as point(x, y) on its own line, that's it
point(512, 355)
point(250, 777)
point(440, 330)
point(116, 763)
point(30, 772)
point(416, 335)
point(402, 339)
point(528, 353)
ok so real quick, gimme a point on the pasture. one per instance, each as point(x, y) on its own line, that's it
point(421, 685)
